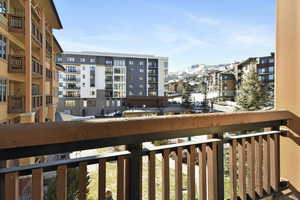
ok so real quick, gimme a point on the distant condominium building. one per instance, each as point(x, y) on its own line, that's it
point(264, 66)
point(28, 75)
point(96, 83)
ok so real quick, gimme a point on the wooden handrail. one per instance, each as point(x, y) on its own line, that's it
point(28, 135)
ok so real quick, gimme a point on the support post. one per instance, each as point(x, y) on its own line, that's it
point(133, 177)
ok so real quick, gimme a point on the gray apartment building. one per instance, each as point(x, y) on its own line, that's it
point(97, 82)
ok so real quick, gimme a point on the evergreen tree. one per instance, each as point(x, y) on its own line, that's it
point(73, 186)
point(252, 95)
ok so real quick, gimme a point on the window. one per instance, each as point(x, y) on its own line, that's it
point(93, 93)
point(83, 68)
point(70, 103)
point(142, 70)
point(3, 47)
point(130, 93)
point(92, 60)
point(271, 77)
point(141, 93)
point(82, 59)
point(3, 90)
point(271, 69)
point(59, 59)
point(130, 86)
point(107, 103)
point(70, 59)
point(119, 62)
point(141, 78)
point(109, 62)
point(83, 76)
point(131, 62)
point(271, 60)
point(3, 7)
point(142, 63)
point(141, 86)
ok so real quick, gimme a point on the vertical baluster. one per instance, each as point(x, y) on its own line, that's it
point(37, 184)
point(259, 167)
point(120, 178)
point(151, 176)
point(178, 174)
point(83, 181)
point(251, 167)
point(11, 186)
point(102, 179)
point(191, 173)
point(165, 175)
point(233, 169)
point(202, 173)
point(266, 164)
point(274, 154)
point(242, 169)
point(61, 183)
point(212, 171)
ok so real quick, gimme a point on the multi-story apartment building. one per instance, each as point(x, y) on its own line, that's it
point(28, 71)
point(96, 83)
point(264, 66)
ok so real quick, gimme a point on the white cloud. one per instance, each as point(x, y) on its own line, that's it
point(201, 20)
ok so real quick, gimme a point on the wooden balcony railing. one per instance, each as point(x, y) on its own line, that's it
point(15, 104)
point(37, 101)
point(15, 23)
point(48, 74)
point(49, 100)
point(37, 34)
point(16, 64)
point(37, 68)
point(253, 158)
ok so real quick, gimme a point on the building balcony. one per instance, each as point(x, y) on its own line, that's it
point(16, 64)
point(49, 100)
point(37, 101)
point(48, 48)
point(16, 104)
point(253, 158)
point(37, 35)
point(48, 75)
point(37, 68)
point(16, 23)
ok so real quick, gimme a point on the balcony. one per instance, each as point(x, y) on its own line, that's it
point(37, 68)
point(37, 101)
point(16, 23)
point(16, 104)
point(48, 48)
point(16, 64)
point(254, 158)
point(49, 100)
point(48, 75)
point(37, 35)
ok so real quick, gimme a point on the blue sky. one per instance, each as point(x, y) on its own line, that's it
point(187, 31)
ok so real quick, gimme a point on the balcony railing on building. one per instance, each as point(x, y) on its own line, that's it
point(37, 68)
point(16, 64)
point(37, 34)
point(16, 104)
point(15, 23)
point(37, 101)
point(48, 48)
point(254, 158)
point(48, 74)
point(49, 100)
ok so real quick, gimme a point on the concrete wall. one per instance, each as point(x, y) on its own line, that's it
point(287, 84)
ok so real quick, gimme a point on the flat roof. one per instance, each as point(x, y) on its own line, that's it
point(110, 54)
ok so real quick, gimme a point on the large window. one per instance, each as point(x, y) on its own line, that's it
point(3, 47)
point(70, 59)
point(3, 90)
point(119, 62)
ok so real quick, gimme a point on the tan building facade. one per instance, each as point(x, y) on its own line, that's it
point(28, 71)
point(287, 84)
